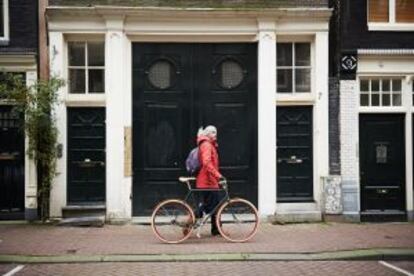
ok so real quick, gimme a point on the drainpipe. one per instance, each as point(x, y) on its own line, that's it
point(43, 41)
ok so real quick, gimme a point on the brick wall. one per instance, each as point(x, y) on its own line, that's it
point(349, 122)
point(334, 144)
point(23, 27)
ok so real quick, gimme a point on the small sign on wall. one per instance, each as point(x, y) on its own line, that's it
point(349, 63)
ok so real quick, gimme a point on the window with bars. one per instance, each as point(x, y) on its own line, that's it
point(391, 11)
point(293, 67)
point(380, 92)
point(86, 67)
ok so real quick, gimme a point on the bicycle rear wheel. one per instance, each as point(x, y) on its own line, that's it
point(172, 221)
point(237, 220)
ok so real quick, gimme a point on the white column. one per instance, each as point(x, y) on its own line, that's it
point(267, 118)
point(30, 175)
point(57, 69)
point(408, 147)
point(115, 71)
point(321, 113)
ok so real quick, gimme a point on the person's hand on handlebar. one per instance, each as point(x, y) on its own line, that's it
point(223, 181)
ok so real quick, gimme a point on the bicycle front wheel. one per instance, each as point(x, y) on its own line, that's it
point(237, 220)
point(172, 221)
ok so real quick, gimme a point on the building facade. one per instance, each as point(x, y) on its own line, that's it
point(18, 54)
point(142, 79)
point(373, 58)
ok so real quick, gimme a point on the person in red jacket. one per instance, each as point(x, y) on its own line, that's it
point(209, 174)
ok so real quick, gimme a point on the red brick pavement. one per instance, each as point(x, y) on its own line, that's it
point(212, 268)
point(139, 239)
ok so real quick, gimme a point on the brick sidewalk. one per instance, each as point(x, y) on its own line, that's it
point(139, 239)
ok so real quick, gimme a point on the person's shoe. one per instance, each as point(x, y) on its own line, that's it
point(215, 232)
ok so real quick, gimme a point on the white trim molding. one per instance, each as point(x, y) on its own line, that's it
point(6, 24)
point(123, 26)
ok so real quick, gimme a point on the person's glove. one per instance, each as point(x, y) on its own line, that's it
point(223, 181)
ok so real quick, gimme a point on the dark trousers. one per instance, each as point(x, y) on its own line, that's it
point(207, 201)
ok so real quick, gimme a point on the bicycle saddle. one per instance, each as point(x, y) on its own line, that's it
point(185, 179)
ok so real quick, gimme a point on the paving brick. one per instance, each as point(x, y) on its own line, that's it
point(139, 239)
point(213, 268)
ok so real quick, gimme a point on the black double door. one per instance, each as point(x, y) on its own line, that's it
point(11, 164)
point(86, 155)
point(294, 154)
point(382, 162)
point(176, 89)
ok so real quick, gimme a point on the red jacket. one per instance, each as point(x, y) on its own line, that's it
point(209, 175)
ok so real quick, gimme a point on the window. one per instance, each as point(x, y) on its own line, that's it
point(293, 68)
point(391, 11)
point(4, 20)
point(412, 88)
point(86, 67)
point(380, 92)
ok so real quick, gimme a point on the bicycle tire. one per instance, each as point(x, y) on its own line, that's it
point(172, 221)
point(237, 220)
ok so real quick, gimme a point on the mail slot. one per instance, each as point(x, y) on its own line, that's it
point(8, 156)
point(88, 163)
point(291, 160)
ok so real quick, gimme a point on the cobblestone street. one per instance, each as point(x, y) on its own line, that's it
point(216, 268)
point(139, 239)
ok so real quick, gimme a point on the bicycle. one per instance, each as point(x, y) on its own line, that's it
point(174, 220)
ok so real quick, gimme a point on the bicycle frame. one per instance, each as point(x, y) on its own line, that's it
point(201, 221)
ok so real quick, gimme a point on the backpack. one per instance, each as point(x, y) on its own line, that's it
point(192, 163)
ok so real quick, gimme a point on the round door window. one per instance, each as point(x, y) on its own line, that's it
point(160, 74)
point(232, 74)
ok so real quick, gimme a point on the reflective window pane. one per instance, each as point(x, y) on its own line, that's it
point(284, 80)
point(396, 85)
point(96, 81)
point(302, 80)
point(302, 54)
point(386, 85)
point(96, 54)
point(76, 53)
point(364, 99)
point(77, 81)
point(284, 54)
point(375, 85)
point(396, 99)
point(364, 85)
point(386, 99)
point(375, 100)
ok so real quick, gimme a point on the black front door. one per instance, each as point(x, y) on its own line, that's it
point(86, 155)
point(294, 154)
point(11, 164)
point(178, 88)
point(382, 162)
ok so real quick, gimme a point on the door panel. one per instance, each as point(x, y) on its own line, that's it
point(178, 88)
point(86, 155)
point(382, 162)
point(294, 154)
point(11, 164)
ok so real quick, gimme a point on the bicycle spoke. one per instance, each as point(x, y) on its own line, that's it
point(172, 220)
point(238, 220)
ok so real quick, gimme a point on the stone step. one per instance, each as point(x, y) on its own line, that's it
point(89, 221)
point(75, 211)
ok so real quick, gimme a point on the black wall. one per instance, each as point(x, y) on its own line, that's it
point(23, 24)
point(355, 34)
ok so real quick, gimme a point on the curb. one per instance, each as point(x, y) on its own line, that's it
point(363, 254)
